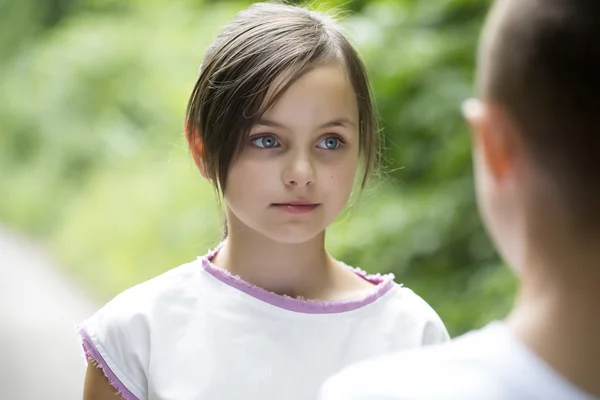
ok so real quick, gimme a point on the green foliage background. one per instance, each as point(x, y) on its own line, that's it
point(92, 157)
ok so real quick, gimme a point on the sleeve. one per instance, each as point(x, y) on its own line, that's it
point(434, 331)
point(116, 339)
point(429, 325)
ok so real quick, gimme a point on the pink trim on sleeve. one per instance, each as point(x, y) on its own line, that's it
point(93, 355)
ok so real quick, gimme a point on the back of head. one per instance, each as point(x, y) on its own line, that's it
point(540, 60)
point(254, 59)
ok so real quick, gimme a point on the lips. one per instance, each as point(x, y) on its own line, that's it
point(296, 207)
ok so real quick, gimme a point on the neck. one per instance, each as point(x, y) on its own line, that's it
point(557, 317)
point(297, 270)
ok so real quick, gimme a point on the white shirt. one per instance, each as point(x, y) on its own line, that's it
point(197, 332)
point(485, 364)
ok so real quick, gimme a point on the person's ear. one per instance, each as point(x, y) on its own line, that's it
point(192, 135)
point(493, 134)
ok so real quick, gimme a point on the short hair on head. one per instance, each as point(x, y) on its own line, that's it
point(540, 60)
point(246, 63)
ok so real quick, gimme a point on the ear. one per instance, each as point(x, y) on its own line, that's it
point(192, 135)
point(493, 135)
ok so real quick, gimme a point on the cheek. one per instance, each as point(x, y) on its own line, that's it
point(245, 181)
point(340, 179)
point(489, 199)
point(350, 168)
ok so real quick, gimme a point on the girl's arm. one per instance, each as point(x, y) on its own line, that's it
point(96, 386)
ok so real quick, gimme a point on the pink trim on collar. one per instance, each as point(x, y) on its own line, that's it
point(383, 285)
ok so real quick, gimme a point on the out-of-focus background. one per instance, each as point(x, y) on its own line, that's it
point(98, 192)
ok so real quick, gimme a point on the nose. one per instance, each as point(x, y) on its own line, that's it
point(299, 171)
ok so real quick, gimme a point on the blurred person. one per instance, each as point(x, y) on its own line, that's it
point(280, 120)
point(536, 137)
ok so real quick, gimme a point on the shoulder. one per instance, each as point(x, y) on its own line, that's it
point(452, 371)
point(409, 309)
point(118, 336)
point(407, 301)
point(149, 297)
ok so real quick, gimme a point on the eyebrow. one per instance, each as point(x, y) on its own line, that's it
point(330, 124)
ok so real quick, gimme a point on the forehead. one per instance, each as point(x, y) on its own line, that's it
point(322, 93)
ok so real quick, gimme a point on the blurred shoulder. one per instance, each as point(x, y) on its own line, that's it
point(456, 370)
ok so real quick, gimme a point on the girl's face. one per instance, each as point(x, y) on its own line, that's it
point(296, 173)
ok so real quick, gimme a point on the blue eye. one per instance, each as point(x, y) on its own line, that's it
point(265, 142)
point(330, 143)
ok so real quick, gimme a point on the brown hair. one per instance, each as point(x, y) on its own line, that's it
point(541, 61)
point(264, 43)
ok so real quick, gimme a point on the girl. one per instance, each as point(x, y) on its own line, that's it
point(278, 120)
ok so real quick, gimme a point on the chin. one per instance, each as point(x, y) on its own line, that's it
point(290, 230)
point(293, 235)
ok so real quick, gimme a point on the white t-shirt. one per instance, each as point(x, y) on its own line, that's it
point(197, 332)
point(485, 364)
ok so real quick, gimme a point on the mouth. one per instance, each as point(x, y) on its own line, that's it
point(296, 207)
